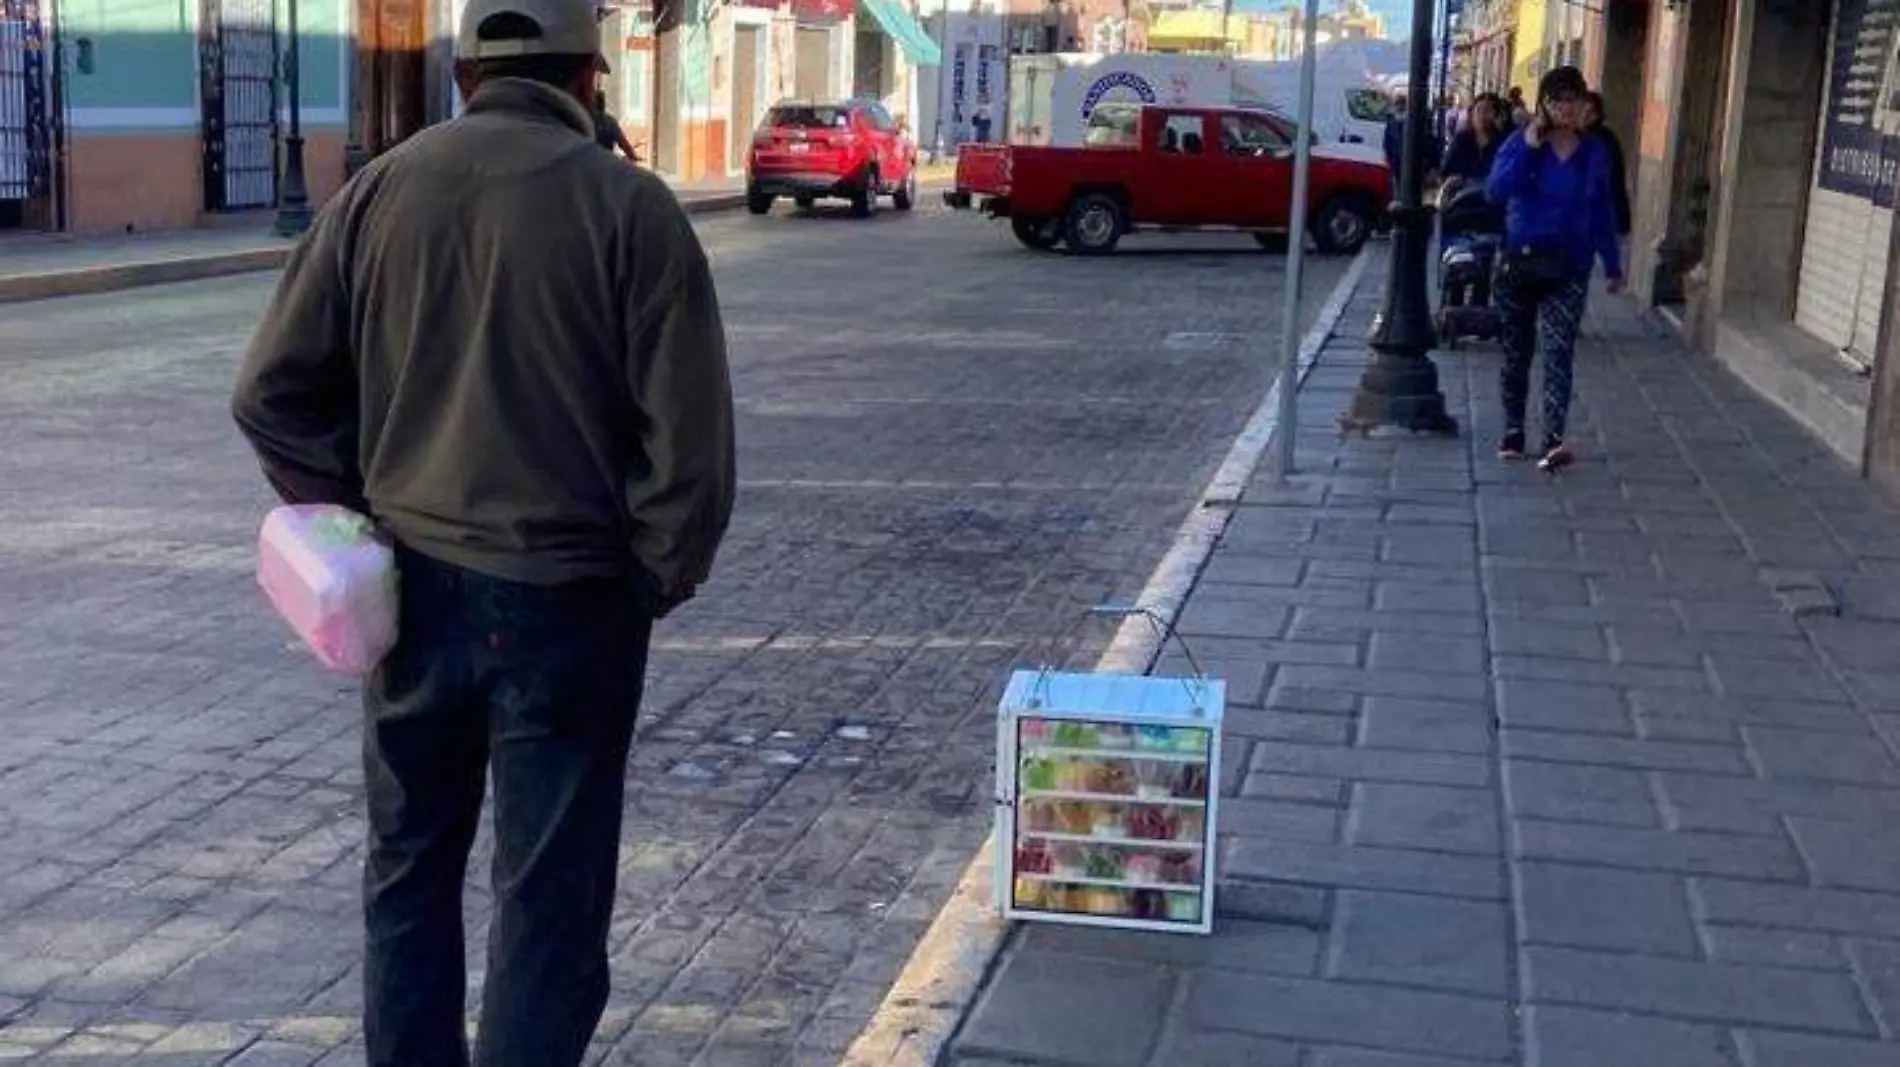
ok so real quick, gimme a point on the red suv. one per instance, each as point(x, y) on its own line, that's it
point(853, 150)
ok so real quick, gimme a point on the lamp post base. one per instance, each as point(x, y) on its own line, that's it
point(293, 207)
point(1399, 390)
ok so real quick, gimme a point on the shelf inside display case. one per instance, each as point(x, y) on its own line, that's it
point(1106, 803)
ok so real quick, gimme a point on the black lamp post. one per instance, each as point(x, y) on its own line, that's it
point(293, 199)
point(1400, 386)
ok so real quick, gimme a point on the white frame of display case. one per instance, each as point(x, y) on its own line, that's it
point(1211, 699)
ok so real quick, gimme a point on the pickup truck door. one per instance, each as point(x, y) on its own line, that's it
point(1180, 187)
point(1256, 161)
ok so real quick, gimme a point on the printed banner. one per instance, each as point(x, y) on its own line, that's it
point(1860, 153)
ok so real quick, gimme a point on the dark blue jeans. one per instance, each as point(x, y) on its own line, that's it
point(536, 688)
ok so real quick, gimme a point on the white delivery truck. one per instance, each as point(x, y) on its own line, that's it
point(1052, 96)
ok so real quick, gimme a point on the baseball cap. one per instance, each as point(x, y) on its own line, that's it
point(567, 28)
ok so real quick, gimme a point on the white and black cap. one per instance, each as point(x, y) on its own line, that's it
point(563, 28)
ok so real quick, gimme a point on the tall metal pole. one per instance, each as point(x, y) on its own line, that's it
point(355, 154)
point(1444, 64)
point(1400, 386)
point(944, 80)
point(1287, 382)
point(293, 199)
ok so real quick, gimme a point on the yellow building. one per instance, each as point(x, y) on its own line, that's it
point(1529, 57)
point(1199, 30)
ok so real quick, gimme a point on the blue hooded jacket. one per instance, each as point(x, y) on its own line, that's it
point(1562, 203)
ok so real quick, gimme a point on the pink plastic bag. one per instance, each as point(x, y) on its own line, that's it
point(325, 572)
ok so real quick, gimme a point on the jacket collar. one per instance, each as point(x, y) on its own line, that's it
point(532, 100)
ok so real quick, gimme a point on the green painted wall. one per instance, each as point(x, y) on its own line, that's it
point(145, 52)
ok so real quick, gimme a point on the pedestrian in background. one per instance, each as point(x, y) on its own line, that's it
point(1619, 166)
point(1520, 114)
point(1395, 145)
point(1553, 180)
point(1474, 148)
point(505, 347)
point(607, 131)
point(982, 120)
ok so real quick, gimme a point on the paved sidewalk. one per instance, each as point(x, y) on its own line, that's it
point(1593, 772)
point(34, 267)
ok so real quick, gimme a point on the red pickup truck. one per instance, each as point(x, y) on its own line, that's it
point(1173, 168)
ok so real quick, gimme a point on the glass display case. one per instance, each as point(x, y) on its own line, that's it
point(1107, 797)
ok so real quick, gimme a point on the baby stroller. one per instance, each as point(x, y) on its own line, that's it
point(1471, 229)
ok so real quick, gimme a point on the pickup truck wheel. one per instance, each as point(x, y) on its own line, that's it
point(1343, 225)
point(864, 201)
point(1095, 224)
point(1039, 234)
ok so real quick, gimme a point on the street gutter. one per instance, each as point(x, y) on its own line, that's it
point(921, 1013)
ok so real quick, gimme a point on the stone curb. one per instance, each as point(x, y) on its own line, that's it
point(121, 276)
point(919, 1016)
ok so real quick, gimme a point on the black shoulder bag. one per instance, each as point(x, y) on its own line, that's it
point(1543, 267)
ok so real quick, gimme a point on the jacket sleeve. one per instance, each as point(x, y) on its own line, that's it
point(296, 399)
point(680, 486)
point(1513, 173)
point(1603, 225)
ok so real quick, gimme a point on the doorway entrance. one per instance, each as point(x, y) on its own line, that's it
point(748, 90)
point(29, 131)
point(391, 68)
point(238, 75)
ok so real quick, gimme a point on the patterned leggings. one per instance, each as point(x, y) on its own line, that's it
point(1552, 316)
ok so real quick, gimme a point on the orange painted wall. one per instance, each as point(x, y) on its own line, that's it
point(703, 150)
point(135, 181)
point(124, 182)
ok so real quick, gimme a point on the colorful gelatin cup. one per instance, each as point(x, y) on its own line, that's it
point(1031, 893)
point(1113, 778)
point(1075, 817)
point(1184, 907)
point(1103, 901)
point(1039, 774)
point(1155, 738)
point(1110, 821)
point(1190, 739)
point(1155, 779)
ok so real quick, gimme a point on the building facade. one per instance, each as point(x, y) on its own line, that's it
point(122, 115)
point(1766, 153)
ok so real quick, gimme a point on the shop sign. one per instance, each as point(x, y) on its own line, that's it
point(1860, 141)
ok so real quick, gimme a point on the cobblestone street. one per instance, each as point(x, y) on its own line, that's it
point(950, 447)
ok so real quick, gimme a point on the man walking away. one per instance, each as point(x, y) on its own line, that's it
point(504, 345)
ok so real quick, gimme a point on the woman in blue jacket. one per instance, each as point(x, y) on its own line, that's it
point(1560, 217)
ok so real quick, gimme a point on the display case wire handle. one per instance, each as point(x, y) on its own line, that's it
point(1164, 629)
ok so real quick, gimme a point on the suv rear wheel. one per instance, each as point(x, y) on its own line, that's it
point(864, 201)
point(757, 203)
point(1095, 224)
point(905, 197)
